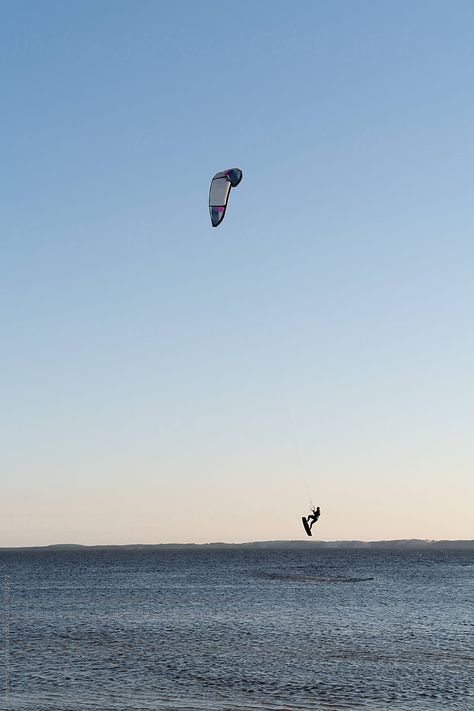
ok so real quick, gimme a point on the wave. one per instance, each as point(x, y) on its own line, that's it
point(327, 579)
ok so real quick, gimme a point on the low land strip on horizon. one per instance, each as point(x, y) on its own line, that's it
point(404, 544)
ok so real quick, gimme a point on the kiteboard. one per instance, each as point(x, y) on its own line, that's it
point(306, 526)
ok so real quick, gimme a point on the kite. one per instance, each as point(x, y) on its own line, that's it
point(219, 192)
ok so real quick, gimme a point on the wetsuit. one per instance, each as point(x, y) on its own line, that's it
point(313, 517)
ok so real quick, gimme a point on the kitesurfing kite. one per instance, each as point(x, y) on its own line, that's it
point(219, 192)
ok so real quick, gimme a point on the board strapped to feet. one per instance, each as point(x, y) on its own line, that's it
point(306, 527)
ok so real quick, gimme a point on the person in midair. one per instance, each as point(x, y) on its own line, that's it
point(313, 517)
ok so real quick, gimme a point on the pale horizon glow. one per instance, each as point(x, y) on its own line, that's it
point(164, 381)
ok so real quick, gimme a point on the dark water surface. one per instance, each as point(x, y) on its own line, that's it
point(239, 629)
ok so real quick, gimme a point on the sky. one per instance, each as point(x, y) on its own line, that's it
point(164, 381)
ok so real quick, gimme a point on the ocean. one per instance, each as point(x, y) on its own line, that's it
point(242, 628)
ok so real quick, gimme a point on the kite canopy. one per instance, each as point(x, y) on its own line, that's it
point(219, 192)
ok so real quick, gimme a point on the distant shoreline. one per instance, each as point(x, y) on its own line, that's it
point(405, 544)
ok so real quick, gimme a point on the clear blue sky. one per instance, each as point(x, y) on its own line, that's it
point(164, 381)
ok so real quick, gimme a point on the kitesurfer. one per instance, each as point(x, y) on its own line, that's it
point(313, 517)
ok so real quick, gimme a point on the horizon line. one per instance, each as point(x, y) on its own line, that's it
point(397, 542)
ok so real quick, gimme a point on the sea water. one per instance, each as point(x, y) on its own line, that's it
point(238, 629)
